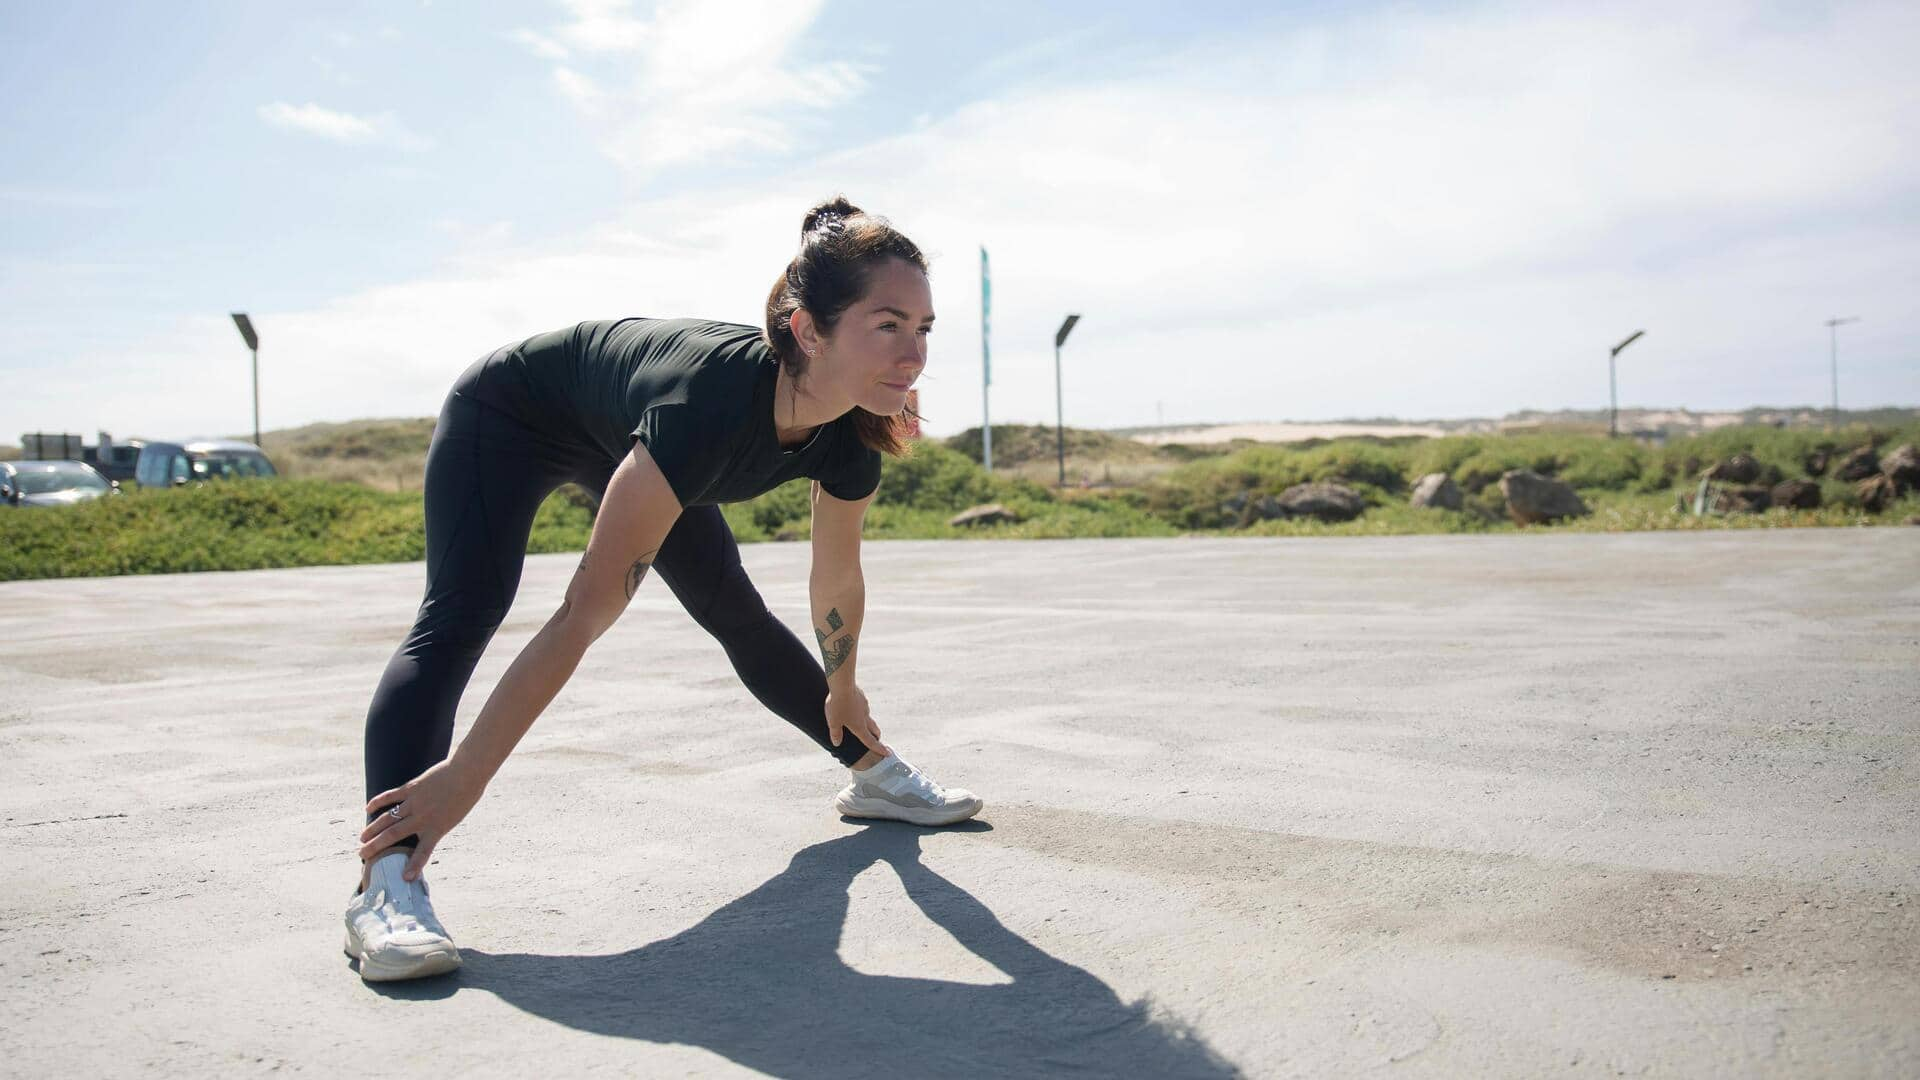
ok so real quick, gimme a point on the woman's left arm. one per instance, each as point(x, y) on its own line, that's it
point(839, 595)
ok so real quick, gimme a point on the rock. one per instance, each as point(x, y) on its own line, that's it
point(1913, 519)
point(1246, 508)
point(1328, 502)
point(789, 533)
point(1738, 469)
point(1438, 490)
point(1816, 462)
point(1902, 466)
point(1876, 492)
point(1533, 499)
point(1859, 465)
point(1742, 500)
point(987, 514)
point(1797, 495)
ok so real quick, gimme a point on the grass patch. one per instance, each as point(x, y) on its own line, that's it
point(238, 525)
point(309, 520)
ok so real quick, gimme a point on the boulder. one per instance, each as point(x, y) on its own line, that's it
point(1876, 492)
point(1902, 466)
point(1246, 508)
point(1859, 465)
point(1328, 502)
point(1438, 490)
point(987, 514)
point(789, 533)
point(1738, 469)
point(1533, 499)
point(1742, 500)
point(1816, 462)
point(1797, 495)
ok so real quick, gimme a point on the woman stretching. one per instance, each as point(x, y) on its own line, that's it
point(663, 419)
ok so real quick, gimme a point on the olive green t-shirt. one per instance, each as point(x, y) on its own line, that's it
point(697, 393)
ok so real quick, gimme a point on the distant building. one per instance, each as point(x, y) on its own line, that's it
point(114, 461)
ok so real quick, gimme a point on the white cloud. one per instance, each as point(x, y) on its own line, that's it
point(1438, 216)
point(699, 79)
point(539, 44)
point(342, 127)
point(315, 120)
point(607, 26)
point(577, 88)
point(334, 72)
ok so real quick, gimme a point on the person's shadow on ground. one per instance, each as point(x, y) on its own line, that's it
point(760, 981)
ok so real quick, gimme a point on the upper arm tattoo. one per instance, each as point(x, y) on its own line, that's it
point(638, 571)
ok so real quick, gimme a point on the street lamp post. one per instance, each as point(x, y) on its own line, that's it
point(986, 362)
point(253, 343)
point(1613, 390)
point(1059, 408)
point(1833, 357)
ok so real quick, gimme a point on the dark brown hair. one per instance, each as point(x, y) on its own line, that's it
point(840, 244)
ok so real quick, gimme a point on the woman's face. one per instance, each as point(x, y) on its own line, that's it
point(880, 346)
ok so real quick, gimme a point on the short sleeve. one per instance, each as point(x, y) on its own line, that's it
point(857, 478)
point(690, 459)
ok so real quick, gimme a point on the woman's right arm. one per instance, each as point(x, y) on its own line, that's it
point(635, 515)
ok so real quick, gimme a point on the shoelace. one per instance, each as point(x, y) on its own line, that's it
point(923, 783)
point(409, 910)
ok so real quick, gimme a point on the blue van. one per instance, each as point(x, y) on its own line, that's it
point(165, 464)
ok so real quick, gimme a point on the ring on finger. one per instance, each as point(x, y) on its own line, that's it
point(394, 813)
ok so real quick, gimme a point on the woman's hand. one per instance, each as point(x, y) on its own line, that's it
point(429, 805)
point(847, 712)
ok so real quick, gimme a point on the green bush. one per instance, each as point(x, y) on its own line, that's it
point(237, 525)
point(247, 524)
point(933, 477)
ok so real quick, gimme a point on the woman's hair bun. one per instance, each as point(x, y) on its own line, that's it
point(836, 209)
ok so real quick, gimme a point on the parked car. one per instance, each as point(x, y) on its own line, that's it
point(165, 464)
point(115, 461)
point(51, 483)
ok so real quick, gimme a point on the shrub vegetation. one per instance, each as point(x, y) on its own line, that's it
point(307, 520)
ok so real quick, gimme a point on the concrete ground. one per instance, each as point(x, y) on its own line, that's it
point(1577, 805)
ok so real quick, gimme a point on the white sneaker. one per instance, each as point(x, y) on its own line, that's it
point(893, 788)
point(391, 928)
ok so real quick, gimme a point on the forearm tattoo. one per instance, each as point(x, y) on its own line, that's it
point(837, 653)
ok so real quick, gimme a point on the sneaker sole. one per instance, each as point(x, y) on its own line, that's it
point(435, 960)
point(856, 806)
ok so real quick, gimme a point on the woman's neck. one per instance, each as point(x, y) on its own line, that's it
point(796, 411)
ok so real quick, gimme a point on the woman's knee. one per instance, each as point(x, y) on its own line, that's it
point(731, 606)
point(444, 623)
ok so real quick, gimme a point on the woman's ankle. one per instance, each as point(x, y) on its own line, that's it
point(366, 868)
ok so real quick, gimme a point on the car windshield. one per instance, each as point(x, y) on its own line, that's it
point(42, 479)
point(228, 465)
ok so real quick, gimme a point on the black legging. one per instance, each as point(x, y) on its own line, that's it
point(487, 473)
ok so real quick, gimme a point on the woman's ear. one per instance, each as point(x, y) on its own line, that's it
point(806, 332)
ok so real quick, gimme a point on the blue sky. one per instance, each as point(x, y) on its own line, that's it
point(1261, 211)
